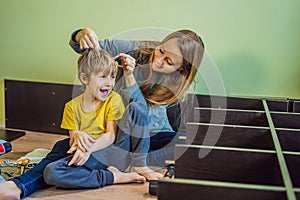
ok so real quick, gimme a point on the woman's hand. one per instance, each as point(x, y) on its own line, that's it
point(128, 63)
point(79, 158)
point(81, 140)
point(87, 38)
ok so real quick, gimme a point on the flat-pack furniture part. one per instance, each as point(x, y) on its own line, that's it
point(238, 148)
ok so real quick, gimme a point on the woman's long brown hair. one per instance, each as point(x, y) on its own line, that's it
point(167, 88)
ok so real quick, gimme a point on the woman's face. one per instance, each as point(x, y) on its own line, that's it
point(167, 57)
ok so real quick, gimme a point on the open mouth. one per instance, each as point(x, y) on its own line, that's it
point(105, 92)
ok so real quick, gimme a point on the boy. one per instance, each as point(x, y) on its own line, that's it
point(91, 120)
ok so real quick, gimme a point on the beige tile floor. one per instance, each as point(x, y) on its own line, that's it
point(33, 140)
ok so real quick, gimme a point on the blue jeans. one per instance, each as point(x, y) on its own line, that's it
point(134, 145)
point(92, 174)
point(33, 180)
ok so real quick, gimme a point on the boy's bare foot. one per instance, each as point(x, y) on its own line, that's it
point(9, 191)
point(122, 177)
point(148, 173)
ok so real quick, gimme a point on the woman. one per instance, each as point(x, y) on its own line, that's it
point(157, 84)
point(152, 90)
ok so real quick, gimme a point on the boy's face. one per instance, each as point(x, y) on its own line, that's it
point(100, 85)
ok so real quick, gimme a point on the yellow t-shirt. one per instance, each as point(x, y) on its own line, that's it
point(93, 123)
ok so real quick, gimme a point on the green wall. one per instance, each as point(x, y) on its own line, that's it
point(254, 44)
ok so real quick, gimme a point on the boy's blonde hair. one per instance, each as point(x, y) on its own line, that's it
point(95, 61)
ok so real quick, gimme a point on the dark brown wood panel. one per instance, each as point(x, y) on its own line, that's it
point(229, 166)
point(230, 117)
point(190, 191)
point(237, 137)
point(36, 106)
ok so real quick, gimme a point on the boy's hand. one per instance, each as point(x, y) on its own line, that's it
point(128, 63)
point(80, 139)
point(79, 158)
point(72, 149)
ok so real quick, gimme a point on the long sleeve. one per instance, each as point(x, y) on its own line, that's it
point(113, 47)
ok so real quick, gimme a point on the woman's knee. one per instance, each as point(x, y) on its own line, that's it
point(139, 113)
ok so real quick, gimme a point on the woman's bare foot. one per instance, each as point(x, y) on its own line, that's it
point(122, 177)
point(9, 191)
point(148, 173)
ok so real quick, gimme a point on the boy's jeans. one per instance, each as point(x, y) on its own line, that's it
point(130, 149)
point(132, 146)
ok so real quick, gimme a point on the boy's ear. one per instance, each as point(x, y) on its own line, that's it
point(84, 79)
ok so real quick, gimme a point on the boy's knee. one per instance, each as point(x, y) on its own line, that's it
point(61, 144)
point(49, 174)
point(53, 172)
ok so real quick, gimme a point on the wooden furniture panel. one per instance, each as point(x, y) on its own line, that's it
point(36, 106)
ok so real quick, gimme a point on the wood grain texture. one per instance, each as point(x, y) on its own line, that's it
point(33, 140)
